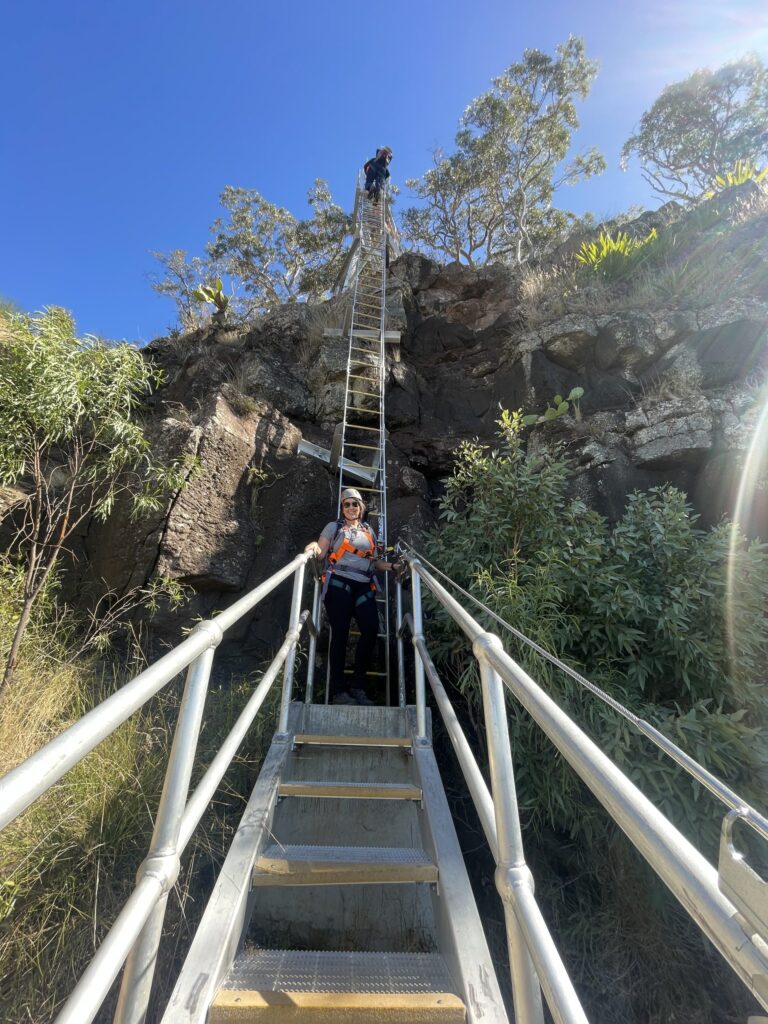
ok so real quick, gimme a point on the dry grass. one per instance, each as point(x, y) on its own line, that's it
point(236, 388)
point(705, 258)
point(322, 315)
point(67, 865)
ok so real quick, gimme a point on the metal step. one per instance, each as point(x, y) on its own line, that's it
point(317, 740)
point(342, 865)
point(351, 790)
point(278, 986)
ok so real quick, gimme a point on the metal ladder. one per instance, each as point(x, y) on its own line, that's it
point(363, 426)
point(358, 451)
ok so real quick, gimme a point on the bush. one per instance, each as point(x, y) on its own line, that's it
point(642, 608)
point(613, 257)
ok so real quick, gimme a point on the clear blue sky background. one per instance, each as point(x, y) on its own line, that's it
point(122, 122)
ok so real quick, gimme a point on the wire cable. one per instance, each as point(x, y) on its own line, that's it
point(718, 788)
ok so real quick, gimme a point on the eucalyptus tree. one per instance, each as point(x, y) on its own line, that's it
point(700, 128)
point(70, 442)
point(266, 255)
point(493, 198)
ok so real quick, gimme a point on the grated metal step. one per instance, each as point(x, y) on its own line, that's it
point(342, 865)
point(311, 971)
point(279, 985)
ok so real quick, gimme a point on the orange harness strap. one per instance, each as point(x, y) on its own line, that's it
point(347, 548)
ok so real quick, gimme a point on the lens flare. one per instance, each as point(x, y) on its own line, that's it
point(752, 482)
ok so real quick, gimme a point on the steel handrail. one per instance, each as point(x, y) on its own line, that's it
point(550, 971)
point(685, 871)
point(134, 937)
point(24, 784)
point(750, 815)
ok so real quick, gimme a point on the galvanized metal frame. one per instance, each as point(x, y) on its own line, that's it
point(691, 879)
point(134, 937)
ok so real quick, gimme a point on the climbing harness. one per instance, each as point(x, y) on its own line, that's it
point(347, 548)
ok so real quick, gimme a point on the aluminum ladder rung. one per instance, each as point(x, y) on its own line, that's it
point(359, 426)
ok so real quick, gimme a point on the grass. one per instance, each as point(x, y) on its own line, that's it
point(706, 258)
point(69, 862)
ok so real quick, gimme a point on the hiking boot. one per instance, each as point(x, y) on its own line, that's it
point(361, 697)
point(343, 698)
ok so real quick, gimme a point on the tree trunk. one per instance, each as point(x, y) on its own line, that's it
point(21, 626)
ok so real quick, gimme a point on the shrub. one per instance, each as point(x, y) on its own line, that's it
point(612, 256)
point(742, 172)
point(641, 608)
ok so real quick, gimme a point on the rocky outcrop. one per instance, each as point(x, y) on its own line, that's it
point(670, 393)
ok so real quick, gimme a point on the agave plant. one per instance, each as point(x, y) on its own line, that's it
point(594, 254)
point(214, 293)
point(558, 408)
point(743, 171)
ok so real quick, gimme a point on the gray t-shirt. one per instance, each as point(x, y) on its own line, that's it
point(352, 566)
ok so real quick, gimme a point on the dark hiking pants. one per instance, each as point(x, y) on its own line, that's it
point(343, 600)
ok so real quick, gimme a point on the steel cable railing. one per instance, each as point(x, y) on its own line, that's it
point(716, 786)
point(730, 925)
point(134, 937)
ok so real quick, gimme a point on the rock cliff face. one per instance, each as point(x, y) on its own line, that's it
point(672, 387)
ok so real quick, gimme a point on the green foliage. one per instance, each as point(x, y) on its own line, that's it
point(70, 439)
point(742, 172)
point(558, 408)
point(697, 126)
point(492, 198)
point(214, 294)
point(70, 412)
point(610, 255)
point(267, 255)
point(641, 607)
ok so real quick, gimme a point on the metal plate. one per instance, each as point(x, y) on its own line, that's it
point(284, 970)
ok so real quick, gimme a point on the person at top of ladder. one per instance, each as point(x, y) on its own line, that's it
point(349, 547)
point(376, 172)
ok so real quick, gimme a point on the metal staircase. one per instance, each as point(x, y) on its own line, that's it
point(360, 908)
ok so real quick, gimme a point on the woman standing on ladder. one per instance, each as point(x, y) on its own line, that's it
point(349, 589)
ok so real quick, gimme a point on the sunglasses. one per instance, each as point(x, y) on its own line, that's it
point(350, 504)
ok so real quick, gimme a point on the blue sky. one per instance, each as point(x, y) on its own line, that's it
point(122, 122)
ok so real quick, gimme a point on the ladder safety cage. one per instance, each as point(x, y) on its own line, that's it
point(729, 905)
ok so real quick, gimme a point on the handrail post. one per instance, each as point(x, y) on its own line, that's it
point(400, 647)
point(162, 860)
point(512, 872)
point(290, 661)
point(418, 634)
point(313, 643)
